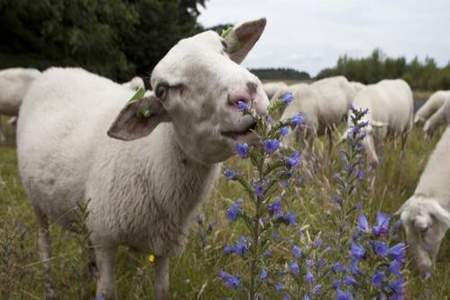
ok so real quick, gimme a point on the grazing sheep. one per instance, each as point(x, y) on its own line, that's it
point(274, 90)
point(135, 83)
point(390, 113)
point(14, 83)
point(324, 104)
point(432, 105)
point(357, 86)
point(441, 116)
point(426, 214)
point(142, 193)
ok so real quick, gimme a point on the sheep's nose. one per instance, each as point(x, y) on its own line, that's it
point(245, 93)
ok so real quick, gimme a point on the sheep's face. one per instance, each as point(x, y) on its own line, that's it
point(197, 86)
point(425, 223)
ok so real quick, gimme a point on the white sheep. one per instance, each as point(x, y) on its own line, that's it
point(426, 214)
point(135, 83)
point(390, 113)
point(432, 105)
point(142, 193)
point(440, 117)
point(274, 90)
point(357, 86)
point(323, 104)
point(14, 83)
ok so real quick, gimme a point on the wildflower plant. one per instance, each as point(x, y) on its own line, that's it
point(262, 211)
point(283, 255)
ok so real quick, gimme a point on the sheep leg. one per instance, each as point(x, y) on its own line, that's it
point(104, 256)
point(162, 278)
point(2, 135)
point(92, 265)
point(44, 245)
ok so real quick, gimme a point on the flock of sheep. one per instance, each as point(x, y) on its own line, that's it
point(143, 167)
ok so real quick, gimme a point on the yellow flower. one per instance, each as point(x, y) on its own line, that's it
point(151, 258)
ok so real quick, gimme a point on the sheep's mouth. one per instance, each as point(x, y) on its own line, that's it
point(236, 134)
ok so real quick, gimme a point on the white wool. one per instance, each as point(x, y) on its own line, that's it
point(432, 105)
point(440, 117)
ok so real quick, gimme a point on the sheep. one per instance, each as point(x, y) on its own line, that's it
point(390, 113)
point(135, 83)
point(442, 116)
point(426, 214)
point(142, 193)
point(274, 90)
point(357, 86)
point(432, 105)
point(323, 103)
point(14, 83)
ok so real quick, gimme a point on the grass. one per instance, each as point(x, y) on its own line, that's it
point(193, 274)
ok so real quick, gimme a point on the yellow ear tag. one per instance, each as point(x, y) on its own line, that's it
point(151, 258)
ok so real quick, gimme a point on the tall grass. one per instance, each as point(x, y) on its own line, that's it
point(194, 273)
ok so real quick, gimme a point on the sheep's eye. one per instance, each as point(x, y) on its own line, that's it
point(161, 91)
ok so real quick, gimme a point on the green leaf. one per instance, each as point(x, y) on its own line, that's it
point(137, 96)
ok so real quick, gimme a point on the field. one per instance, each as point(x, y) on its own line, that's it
point(194, 273)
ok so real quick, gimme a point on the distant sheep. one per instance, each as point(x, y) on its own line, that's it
point(431, 106)
point(426, 214)
point(390, 113)
point(274, 90)
point(14, 83)
point(324, 104)
point(143, 193)
point(135, 83)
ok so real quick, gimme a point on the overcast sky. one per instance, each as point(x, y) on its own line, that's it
point(311, 34)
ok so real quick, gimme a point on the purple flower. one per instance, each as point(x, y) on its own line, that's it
point(286, 296)
point(263, 275)
point(278, 287)
point(380, 248)
point(377, 279)
point(349, 280)
point(397, 286)
point(101, 297)
point(361, 175)
point(275, 207)
point(338, 268)
point(395, 267)
point(354, 266)
point(398, 252)
point(293, 160)
point(287, 98)
point(297, 120)
point(363, 224)
point(341, 295)
point(229, 280)
point(271, 145)
point(234, 210)
point(306, 297)
point(259, 190)
point(293, 266)
point(268, 253)
point(241, 246)
point(309, 277)
point(316, 289)
point(296, 251)
point(357, 251)
point(242, 105)
point(284, 131)
point(229, 174)
point(288, 218)
point(382, 226)
point(336, 284)
point(242, 150)
point(317, 243)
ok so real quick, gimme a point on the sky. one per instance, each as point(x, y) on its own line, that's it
point(310, 35)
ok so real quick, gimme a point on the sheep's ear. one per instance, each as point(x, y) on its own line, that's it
point(241, 39)
point(138, 118)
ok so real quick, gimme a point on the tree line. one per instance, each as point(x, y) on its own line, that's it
point(421, 75)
